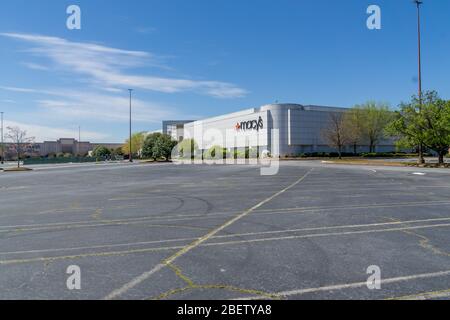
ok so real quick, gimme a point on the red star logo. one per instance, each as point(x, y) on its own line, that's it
point(238, 126)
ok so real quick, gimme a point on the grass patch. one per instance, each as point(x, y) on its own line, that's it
point(429, 165)
point(374, 162)
point(150, 161)
point(369, 162)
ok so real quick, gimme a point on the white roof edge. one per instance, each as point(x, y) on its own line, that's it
point(226, 116)
point(264, 108)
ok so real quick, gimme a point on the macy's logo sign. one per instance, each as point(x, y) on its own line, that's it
point(250, 125)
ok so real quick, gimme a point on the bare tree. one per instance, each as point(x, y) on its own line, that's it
point(335, 133)
point(19, 141)
point(353, 124)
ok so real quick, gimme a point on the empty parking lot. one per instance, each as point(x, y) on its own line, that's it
point(225, 232)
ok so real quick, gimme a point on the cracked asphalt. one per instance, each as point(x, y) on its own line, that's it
point(165, 231)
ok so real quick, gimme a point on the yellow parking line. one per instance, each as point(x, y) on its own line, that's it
point(355, 285)
point(425, 296)
point(195, 244)
point(84, 255)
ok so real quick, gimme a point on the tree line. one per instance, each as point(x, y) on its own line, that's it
point(421, 123)
point(153, 146)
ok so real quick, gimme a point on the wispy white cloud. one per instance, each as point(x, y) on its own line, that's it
point(20, 90)
point(45, 133)
point(91, 105)
point(109, 67)
point(104, 108)
point(35, 66)
point(9, 101)
point(114, 90)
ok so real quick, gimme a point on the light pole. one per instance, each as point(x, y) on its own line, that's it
point(418, 3)
point(129, 141)
point(3, 147)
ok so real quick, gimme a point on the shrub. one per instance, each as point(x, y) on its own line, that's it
point(187, 148)
point(325, 155)
point(101, 152)
point(387, 155)
point(216, 152)
point(253, 153)
point(238, 154)
point(117, 152)
point(266, 154)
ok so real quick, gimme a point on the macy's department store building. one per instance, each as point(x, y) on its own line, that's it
point(281, 129)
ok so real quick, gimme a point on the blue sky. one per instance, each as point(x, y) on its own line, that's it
point(194, 59)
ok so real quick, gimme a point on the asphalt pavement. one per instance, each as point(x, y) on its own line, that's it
point(166, 231)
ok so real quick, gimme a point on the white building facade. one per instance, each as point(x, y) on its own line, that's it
point(280, 129)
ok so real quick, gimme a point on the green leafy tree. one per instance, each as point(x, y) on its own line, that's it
point(163, 147)
point(157, 146)
point(149, 144)
point(425, 122)
point(435, 124)
point(374, 118)
point(137, 142)
point(101, 152)
point(407, 125)
point(117, 152)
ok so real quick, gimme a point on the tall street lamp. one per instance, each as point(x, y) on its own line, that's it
point(418, 3)
point(131, 154)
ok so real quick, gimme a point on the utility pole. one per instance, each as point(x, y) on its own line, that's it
point(3, 147)
point(129, 141)
point(418, 3)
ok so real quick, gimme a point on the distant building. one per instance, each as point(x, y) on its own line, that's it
point(63, 145)
point(175, 128)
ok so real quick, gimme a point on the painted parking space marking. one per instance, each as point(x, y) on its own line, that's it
point(192, 217)
point(238, 235)
point(116, 293)
point(355, 285)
